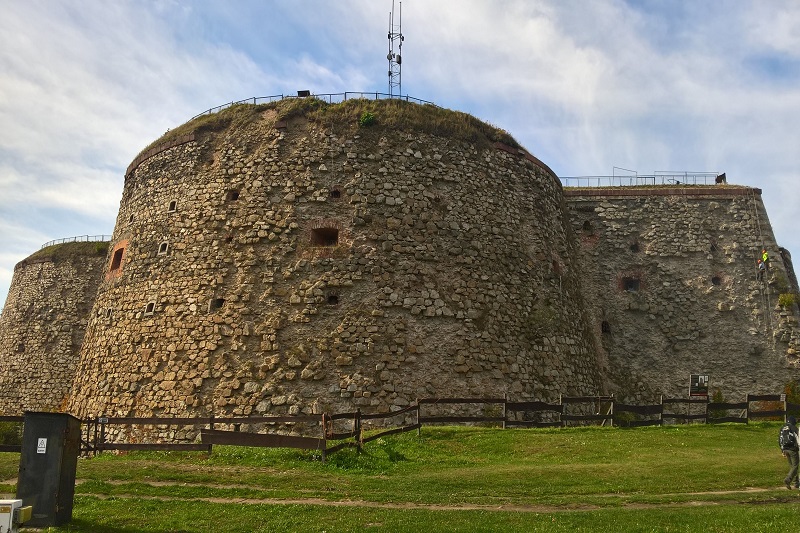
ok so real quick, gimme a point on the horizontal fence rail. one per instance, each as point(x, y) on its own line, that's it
point(347, 430)
point(326, 97)
point(79, 238)
point(636, 180)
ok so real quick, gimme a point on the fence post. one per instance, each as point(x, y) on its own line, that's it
point(747, 409)
point(94, 443)
point(785, 407)
point(612, 410)
point(419, 424)
point(357, 429)
point(324, 438)
point(103, 430)
point(505, 401)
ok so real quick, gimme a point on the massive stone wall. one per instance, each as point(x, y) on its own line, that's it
point(287, 265)
point(43, 325)
point(273, 261)
point(672, 280)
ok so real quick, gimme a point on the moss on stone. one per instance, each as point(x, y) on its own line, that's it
point(69, 250)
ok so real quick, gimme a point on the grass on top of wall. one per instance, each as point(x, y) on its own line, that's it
point(347, 115)
point(70, 250)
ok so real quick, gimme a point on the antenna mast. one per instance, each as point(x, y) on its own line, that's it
point(395, 61)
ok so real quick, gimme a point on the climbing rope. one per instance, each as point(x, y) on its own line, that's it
point(765, 300)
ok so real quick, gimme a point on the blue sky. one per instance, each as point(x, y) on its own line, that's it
point(649, 85)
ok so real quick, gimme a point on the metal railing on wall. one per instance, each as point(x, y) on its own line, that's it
point(326, 97)
point(79, 238)
point(636, 180)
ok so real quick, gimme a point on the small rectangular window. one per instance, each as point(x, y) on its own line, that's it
point(325, 237)
point(116, 260)
point(631, 284)
point(163, 248)
point(150, 308)
point(173, 206)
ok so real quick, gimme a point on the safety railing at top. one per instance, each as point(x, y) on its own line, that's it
point(658, 178)
point(79, 238)
point(327, 97)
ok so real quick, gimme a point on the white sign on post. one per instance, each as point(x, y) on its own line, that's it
point(41, 446)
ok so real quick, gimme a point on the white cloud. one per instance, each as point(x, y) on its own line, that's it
point(583, 85)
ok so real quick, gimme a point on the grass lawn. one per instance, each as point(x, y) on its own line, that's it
point(676, 478)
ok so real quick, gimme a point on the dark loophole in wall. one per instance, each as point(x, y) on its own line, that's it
point(232, 195)
point(635, 247)
point(325, 237)
point(163, 248)
point(631, 284)
point(587, 227)
point(716, 280)
point(605, 327)
point(216, 303)
point(116, 261)
point(130, 219)
point(173, 206)
point(713, 247)
point(21, 347)
point(333, 299)
point(335, 193)
point(150, 308)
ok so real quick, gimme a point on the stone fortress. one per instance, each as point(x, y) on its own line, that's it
point(294, 257)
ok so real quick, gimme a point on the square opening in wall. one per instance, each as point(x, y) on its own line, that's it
point(335, 193)
point(150, 308)
point(173, 206)
point(163, 248)
point(333, 299)
point(325, 237)
point(216, 303)
point(232, 195)
point(631, 284)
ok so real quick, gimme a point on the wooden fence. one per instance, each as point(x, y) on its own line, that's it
point(330, 433)
point(11, 447)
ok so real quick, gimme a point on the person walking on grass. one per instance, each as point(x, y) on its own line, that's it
point(788, 439)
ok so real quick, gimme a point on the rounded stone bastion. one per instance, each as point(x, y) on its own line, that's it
point(304, 257)
point(43, 325)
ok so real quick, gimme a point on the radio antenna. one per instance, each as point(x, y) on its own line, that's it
point(395, 60)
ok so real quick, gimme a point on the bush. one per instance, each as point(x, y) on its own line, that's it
point(11, 433)
point(717, 397)
point(366, 119)
point(787, 300)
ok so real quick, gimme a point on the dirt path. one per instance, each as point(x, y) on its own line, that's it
point(787, 496)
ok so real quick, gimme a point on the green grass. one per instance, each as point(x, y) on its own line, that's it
point(348, 115)
point(678, 478)
point(69, 250)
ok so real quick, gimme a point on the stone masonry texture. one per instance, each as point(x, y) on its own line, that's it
point(43, 325)
point(283, 259)
point(672, 280)
point(284, 267)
